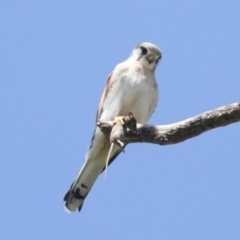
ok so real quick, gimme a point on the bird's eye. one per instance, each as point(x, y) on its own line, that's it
point(144, 50)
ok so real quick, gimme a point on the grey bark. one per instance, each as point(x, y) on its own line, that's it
point(180, 131)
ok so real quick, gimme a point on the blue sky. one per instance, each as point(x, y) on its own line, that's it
point(55, 57)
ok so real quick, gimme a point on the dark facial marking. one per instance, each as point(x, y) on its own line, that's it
point(144, 50)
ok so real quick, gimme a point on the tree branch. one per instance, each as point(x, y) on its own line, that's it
point(180, 131)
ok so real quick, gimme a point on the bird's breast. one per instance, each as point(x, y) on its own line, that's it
point(140, 96)
point(133, 90)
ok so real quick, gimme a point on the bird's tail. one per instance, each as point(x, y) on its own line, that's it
point(80, 188)
point(93, 166)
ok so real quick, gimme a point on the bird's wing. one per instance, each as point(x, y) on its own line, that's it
point(106, 90)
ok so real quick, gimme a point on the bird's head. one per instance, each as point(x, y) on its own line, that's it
point(148, 54)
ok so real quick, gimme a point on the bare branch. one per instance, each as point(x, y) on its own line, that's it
point(181, 131)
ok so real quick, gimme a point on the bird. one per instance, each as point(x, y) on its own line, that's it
point(131, 87)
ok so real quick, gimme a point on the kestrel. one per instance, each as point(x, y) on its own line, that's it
point(131, 87)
